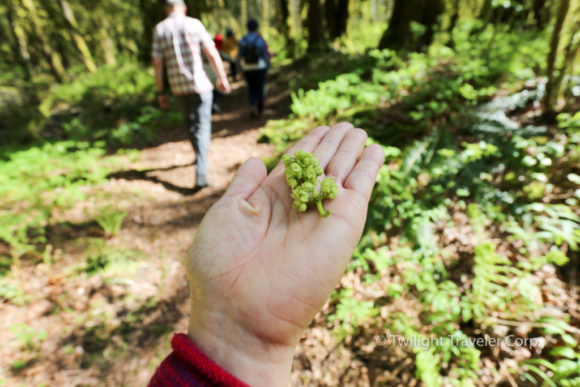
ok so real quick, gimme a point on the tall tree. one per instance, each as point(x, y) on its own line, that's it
point(283, 19)
point(244, 5)
point(78, 39)
point(539, 13)
point(20, 40)
point(106, 42)
point(570, 53)
point(315, 34)
point(52, 56)
point(399, 35)
point(336, 14)
point(454, 16)
point(151, 13)
point(296, 19)
point(265, 16)
point(486, 11)
point(551, 94)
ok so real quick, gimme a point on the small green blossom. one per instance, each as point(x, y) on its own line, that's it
point(302, 172)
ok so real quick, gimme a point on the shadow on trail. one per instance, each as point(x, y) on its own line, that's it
point(140, 328)
point(134, 174)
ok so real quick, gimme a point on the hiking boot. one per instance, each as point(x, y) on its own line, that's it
point(253, 112)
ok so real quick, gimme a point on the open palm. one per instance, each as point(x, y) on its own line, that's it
point(263, 268)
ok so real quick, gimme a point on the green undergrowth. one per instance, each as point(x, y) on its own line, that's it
point(116, 105)
point(40, 182)
point(506, 189)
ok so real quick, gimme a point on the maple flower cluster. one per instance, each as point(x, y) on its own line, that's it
point(302, 171)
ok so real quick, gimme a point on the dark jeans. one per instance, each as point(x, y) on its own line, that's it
point(217, 96)
point(196, 111)
point(256, 80)
point(233, 68)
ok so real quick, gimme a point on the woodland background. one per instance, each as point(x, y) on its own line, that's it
point(473, 228)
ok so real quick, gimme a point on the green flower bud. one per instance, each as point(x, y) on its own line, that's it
point(301, 173)
point(286, 159)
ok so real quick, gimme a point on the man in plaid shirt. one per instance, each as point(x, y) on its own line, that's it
point(177, 43)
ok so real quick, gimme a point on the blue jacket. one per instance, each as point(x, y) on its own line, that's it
point(263, 54)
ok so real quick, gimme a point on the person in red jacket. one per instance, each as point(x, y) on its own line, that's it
point(259, 271)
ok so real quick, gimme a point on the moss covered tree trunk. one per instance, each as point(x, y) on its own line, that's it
point(265, 17)
point(106, 43)
point(244, 7)
point(283, 15)
point(52, 56)
point(336, 15)
point(570, 53)
point(540, 13)
point(399, 34)
point(78, 40)
point(152, 12)
point(20, 40)
point(486, 11)
point(552, 86)
point(314, 20)
point(454, 16)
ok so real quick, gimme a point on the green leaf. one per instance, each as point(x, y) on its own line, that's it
point(565, 367)
point(566, 352)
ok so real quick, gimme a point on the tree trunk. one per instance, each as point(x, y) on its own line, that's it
point(295, 16)
point(570, 52)
point(151, 13)
point(399, 35)
point(454, 16)
point(284, 16)
point(315, 37)
point(336, 12)
point(539, 13)
point(244, 5)
point(265, 17)
point(330, 16)
point(106, 43)
point(51, 55)
point(551, 94)
point(486, 11)
point(195, 8)
point(342, 17)
point(20, 41)
point(80, 43)
point(374, 9)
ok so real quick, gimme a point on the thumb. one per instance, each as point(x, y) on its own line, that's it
point(247, 179)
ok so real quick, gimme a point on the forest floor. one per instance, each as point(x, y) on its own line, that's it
point(149, 300)
point(111, 324)
point(103, 312)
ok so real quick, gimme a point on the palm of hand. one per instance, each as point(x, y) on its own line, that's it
point(257, 262)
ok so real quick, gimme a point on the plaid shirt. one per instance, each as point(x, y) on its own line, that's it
point(178, 40)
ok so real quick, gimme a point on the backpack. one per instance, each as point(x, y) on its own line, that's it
point(251, 53)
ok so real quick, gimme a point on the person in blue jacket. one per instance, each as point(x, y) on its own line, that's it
point(254, 59)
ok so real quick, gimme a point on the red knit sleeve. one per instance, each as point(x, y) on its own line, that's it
point(188, 366)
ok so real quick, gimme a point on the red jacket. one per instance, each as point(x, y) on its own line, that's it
point(188, 366)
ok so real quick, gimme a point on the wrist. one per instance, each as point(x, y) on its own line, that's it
point(242, 354)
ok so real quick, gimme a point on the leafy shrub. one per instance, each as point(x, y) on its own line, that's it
point(111, 219)
point(37, 180)
point(442, 160)
point(113, 104)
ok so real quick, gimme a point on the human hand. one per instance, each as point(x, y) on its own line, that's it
point(224, 85)
point(163, 101)
point(259, 271)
